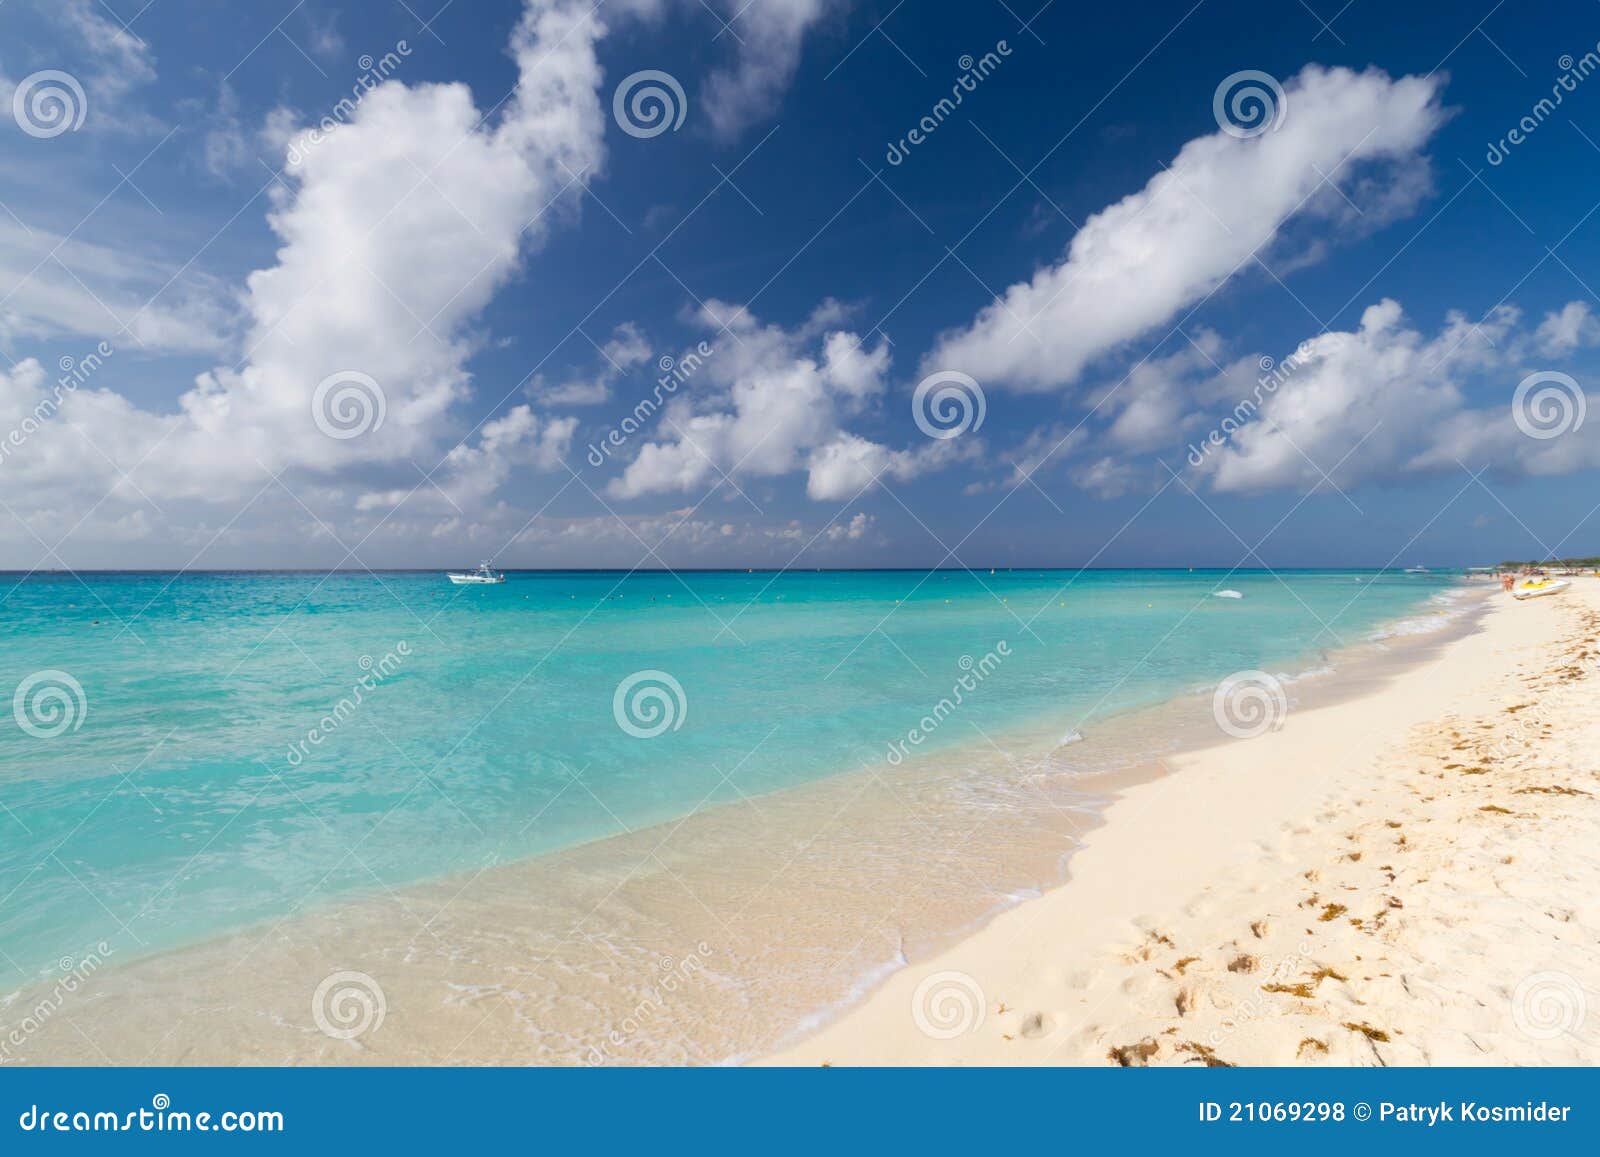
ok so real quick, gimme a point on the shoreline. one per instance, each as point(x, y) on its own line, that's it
point(1230, 913)
point(889, 935)
point(1119, 744)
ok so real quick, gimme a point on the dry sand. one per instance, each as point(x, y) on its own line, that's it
point(1410, 877)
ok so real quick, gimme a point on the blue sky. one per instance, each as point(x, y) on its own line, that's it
point(473, 246)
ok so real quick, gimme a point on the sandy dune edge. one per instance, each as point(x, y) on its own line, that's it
point(1411, 877)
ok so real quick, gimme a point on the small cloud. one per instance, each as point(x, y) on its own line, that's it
point(657, 216)
point(626, 350)
point(1566, 330)
point(850, 531)
point(323, 38)
point(1041, 218)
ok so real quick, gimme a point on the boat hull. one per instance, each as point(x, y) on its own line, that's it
point(1554, 588)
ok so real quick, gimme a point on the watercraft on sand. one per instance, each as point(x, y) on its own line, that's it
point(1536, 588)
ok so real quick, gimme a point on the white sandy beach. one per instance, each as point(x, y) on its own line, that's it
point(1410, 877)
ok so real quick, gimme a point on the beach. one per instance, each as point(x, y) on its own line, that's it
point(1145, 890)
point(1404, 878)
point(463, 832)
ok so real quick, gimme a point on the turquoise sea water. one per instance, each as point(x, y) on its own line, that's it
point(187, 754)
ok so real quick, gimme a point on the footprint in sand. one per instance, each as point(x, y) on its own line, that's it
point(1037, 1025)
point(1185, 999)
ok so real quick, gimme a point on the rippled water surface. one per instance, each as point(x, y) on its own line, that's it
point(189, 755)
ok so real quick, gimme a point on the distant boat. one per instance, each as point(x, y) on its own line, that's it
point(484, 574)
point(1417, 570)
point(1226, 595)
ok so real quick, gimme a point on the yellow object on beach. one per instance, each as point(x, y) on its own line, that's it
point(1534, 588)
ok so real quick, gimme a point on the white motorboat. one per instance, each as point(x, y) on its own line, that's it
point(1417, 570)
point(484, 574)
point(1537, 588)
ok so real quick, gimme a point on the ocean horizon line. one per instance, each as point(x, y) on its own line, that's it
point(443, 567)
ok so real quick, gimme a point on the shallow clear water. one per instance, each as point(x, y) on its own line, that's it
point(243, 742)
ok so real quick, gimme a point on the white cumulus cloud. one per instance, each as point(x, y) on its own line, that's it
point(396, 227)
point(1135, 264)
point(1387, 401)
point(775, 402)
